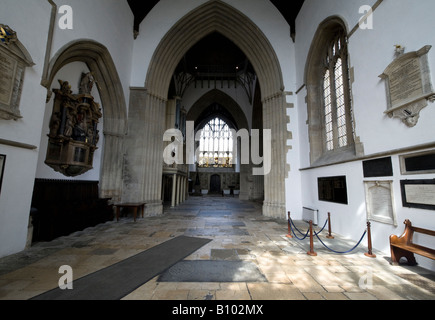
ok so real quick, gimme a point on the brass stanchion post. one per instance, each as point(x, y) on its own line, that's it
point(369, 236)
point(311, 252)
point(329, 236)
point(289, 235)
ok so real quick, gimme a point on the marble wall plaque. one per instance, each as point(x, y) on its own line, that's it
point(418, 194)
point(380, 201)
point(409, 86)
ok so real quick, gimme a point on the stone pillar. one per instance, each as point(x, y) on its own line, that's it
point(183, 190)
point(177, 202)
point(174, 190)
point(274, 117)
point(245, 182)
point(143, 170)
point(111, 171)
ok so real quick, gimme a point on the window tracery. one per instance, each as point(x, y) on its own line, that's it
point(216, 145)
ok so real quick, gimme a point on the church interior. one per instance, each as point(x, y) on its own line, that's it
point(221, 132)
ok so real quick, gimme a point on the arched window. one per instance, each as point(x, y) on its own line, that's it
point(216, 145)
point(336, 96)
point(329, 99)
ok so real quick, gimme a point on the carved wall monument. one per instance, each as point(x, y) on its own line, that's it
point(14, 59)
point(409, 86)
point(73, 133)
point(380, 201)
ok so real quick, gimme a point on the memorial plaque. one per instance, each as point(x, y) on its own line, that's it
point(418, 194)
point(409, 86)
point(380, 201)
point(405, 82)
point(378, 168)
point(418, 163)
point(7, 70)
point(14, 59)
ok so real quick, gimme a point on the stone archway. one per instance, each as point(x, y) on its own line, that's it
point(248, 183)
point(148, 104)
point(100, 63)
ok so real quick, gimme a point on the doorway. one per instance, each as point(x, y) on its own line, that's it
point(215, 184)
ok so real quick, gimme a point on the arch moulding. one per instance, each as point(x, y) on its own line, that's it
point(217, 16)
point(100, 63)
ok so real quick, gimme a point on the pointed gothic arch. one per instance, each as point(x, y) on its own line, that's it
point(100, 63)
point(213, 16)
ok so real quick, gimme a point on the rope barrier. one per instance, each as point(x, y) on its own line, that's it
point(316, 233)
point(344, 252)
point(328, 221)
point(304, 236)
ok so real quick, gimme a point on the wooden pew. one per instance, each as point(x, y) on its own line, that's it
point(404, 247)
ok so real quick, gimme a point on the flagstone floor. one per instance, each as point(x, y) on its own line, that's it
point(239, 233)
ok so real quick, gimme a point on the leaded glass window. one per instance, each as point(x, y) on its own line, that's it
point(216, 145)
point(336, 96)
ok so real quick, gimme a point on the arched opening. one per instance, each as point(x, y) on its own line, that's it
point(100, 63)
point(214, 16)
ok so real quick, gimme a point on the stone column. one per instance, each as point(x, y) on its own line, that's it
point(274, 117)
point(174, 190)
point(143, 167)
point(177, 202)
point(111, 171)
point(183, 190)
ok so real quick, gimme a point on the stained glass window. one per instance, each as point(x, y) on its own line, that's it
point(216, 145)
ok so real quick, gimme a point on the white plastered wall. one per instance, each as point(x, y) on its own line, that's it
point(109, 22)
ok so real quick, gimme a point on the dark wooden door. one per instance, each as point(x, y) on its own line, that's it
point(215, 184)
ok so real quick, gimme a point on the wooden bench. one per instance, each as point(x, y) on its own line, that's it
point(135, 206)
point(403, 246)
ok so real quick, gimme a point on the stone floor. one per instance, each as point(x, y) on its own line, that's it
point(239, 233)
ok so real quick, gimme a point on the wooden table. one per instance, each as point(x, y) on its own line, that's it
point(134, 205)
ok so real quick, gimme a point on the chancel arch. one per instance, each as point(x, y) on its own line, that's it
point(214, 16)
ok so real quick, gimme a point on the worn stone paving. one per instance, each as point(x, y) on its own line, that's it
point(240, 236)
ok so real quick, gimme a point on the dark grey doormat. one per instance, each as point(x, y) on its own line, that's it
point(118, 280)
point(216, 232)
point(213, 271)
